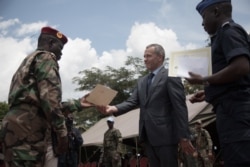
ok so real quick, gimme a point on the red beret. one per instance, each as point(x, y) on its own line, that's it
point(55, 33)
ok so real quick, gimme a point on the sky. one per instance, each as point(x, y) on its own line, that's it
point(100, 33)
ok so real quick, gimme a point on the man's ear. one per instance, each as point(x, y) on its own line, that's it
point(216, 11)
point(51, 41)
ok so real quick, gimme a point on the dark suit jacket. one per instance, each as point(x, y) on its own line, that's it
point(163, 114)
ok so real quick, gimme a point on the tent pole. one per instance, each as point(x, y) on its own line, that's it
point(86, 156)
point(80, 156)
point(137, 158)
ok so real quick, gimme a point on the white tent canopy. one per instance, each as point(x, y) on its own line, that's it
point(128, 123)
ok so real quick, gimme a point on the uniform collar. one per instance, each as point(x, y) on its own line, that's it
point(222, 25)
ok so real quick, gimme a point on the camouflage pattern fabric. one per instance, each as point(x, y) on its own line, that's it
point(35, 108)
point(112, 148)
point(203, 144)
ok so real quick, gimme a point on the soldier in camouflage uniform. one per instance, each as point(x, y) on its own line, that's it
point(35, 106)
point(203, 143)
point(111, 155)
point(188, 160)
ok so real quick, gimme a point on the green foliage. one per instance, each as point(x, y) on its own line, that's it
point(3, 109)
point(87, 118)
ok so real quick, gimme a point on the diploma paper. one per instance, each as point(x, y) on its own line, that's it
point(197, 61)
point(101, 95)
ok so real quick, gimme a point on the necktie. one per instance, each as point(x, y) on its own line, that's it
point(150, 77)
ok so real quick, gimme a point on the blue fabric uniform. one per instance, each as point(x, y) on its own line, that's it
point(231, 101)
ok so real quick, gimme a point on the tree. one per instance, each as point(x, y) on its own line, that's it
point(4, 107)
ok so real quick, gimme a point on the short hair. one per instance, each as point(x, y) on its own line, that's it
point(159, 50)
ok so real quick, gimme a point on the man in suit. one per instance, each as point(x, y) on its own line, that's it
point(163, 112)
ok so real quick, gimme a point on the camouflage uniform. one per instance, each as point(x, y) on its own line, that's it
point(188, 160)
point(111, 156)
point(35, 109)
point(203, 144)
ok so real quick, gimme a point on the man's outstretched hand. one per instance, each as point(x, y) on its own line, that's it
point(107, 110)
point(85, 103)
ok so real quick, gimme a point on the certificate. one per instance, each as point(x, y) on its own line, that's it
point(101, 95)
point(197, 61)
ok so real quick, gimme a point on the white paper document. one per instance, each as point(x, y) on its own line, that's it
point(197, 61)
point(101, 95)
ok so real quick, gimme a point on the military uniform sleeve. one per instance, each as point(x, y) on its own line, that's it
point(49, 88)
point(101, 156)
point(72, 105)
point(119, 141)
point(209, 140)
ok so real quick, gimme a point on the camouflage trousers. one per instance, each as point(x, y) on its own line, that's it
point(112, 159)
point(25, 135)
point(188, 161)
point(203, 160)
point(50, 161)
